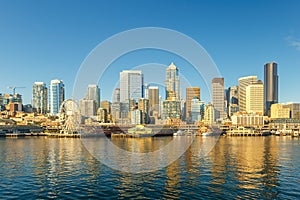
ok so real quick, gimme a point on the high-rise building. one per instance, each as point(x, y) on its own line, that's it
point(271, 85)
point(255, 98)
point(243, 83)
point(153, 99)
point(136, 116)
point(146, 91)
point(218, 97)
point(209, 115)
point(197, 109)
point(190, 93)
point(172, 82)
point(143, 105)
point(57, 96)
point(94, 94)
point(116, 95)
point(131, 85)
point(40, 97)
point(88, 107)
point(171, 108)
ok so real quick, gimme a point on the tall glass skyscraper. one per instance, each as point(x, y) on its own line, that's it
point(172, 82)
point(131, 85)
point(94, 94)
point(271, 86)
point(57, 96)
point(39, 97)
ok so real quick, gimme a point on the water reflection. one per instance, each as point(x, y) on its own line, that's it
point(236, 168)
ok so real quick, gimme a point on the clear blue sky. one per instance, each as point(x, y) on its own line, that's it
point(43, 40)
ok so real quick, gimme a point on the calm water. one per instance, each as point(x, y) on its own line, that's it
point(236, 168)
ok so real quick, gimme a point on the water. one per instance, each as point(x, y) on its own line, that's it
point(236, 168)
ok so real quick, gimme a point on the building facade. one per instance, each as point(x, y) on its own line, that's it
point(255, 98)
point(190, 93)
point(279, 111)
point(131, 85)
point(93, 93)
point(56, 96)
point(271, 86)
point(243, 83)
point(218, 97)
point(172, 82)
point(40, 97)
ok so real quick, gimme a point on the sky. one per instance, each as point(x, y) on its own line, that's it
point(43, 40)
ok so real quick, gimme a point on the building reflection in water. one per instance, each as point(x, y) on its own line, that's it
point(251, 161)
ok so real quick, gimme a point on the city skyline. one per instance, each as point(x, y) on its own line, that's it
point(50, 47)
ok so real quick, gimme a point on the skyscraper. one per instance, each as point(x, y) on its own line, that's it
point(190, 93)
point(143, 105)
point(88, 107)
point(131, 85)
point(172, 82)
point(218, 97)
point(93, 93)
point(57, 95)
point(39, 97)
point(271, 86)
point(116, 95)
point(255, 98)
point(243, 83)
point(146, 91)
point(153, 99)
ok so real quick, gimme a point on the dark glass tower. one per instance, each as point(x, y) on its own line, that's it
point(271, 86)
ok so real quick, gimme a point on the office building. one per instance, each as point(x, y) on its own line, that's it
point(88, 107)
point(131, 85)
point(279, 111)
point(172, 82)
point(271, 86)
point(255, 98)
point(143, 105)
point(218, 97)
point(93, 93)
point(153, 99)
point(190, 93)
point(136, 117)
point(243, 83)
point(56, 96)
point(40, 97)
point(116, 95)
point(209, 115)
point(248, 119)
point(197, 109)
point(146, 91)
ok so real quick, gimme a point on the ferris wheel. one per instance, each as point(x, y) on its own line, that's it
point(70, 117)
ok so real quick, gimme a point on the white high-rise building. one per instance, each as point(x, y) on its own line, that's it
point(255, 98)
point(40, 97)
point(172, 82)
point(218, 97)
point(131, 85)
point(243, 83)
point(56, 96)
point(93, 93)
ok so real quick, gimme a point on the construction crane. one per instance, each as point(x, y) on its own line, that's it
point(14, 88)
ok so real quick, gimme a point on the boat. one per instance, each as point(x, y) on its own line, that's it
point(140, 131)
point(179, 133)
